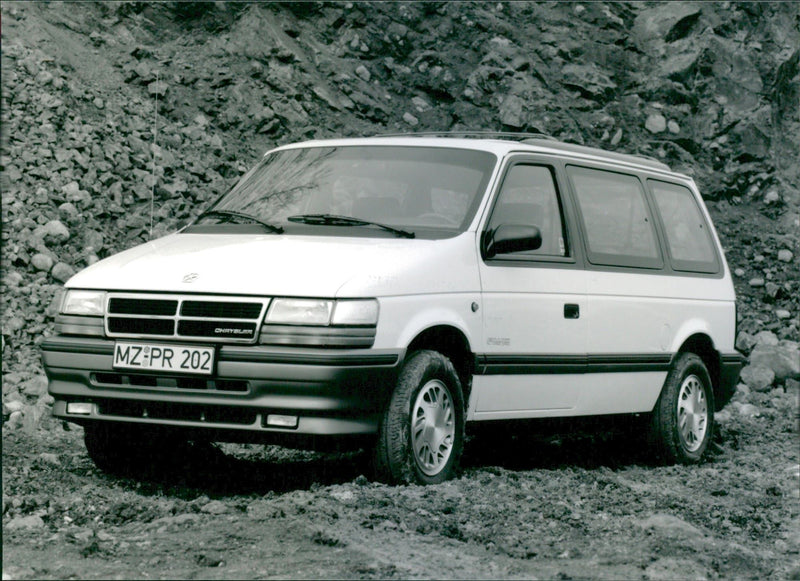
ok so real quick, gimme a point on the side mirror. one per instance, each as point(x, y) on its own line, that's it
point(507, 238)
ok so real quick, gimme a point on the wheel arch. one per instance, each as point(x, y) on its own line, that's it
point(453, 344)
point(702, 345)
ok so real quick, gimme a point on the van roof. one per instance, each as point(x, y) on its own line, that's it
point(498, 143)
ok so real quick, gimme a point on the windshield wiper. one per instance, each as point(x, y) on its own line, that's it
point(241, 216)
point(335, 220)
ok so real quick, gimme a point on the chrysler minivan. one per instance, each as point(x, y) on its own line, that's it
point(389, 290)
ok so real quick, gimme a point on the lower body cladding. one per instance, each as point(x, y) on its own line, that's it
point(256, 393)
point(582, 385)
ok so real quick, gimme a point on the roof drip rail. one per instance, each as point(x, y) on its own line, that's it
point(545, 141)
point(630, 159)
point(517, 136)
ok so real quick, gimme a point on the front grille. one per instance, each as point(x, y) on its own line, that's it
point(177, 412)
point(169, 382)
point(193, 317)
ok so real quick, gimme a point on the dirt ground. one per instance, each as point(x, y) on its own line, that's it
point(525, 506)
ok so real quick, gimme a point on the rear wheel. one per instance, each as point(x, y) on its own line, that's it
point(683, 419)
point(421, 436)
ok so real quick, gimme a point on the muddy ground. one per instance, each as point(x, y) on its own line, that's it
point(537, 505)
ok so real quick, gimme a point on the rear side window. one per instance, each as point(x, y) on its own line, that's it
point(616, 219)
point(688, 236)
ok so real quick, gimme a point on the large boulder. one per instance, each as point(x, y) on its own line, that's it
point(758, 377)
point(766, 338)
point(512, 112)
point(745, 342)
point(42, 262)
point(783, 359)
point(62, 272)
point(54, 233)
point(664, 23)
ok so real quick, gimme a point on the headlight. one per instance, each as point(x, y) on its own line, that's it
point(300, 312)
point(323, 312)
point(359, 312)
point(83, 302)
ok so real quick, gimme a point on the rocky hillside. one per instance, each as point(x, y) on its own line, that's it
point(120, 121)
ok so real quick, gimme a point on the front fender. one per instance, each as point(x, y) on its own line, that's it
point(404, 318)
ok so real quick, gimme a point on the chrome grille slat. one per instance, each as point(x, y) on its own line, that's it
point(185, 317)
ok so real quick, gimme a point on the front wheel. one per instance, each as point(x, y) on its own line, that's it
point(683, 419)
point(421, 435)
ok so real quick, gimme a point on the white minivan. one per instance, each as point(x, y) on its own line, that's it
point(388, 290)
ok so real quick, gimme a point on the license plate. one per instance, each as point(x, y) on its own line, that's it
point(175, 358)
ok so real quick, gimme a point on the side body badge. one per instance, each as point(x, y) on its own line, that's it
point(191, 277)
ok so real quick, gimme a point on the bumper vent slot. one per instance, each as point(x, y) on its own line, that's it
point(177, 412)
point(170, 382)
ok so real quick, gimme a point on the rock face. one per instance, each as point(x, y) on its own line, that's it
point(104, 127)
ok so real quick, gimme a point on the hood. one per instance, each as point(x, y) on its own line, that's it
point(287, 265)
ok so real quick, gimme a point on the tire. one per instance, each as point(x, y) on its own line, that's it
point(421, 434)
point(683, 420)
point(125, 449)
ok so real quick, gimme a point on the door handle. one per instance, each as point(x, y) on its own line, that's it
point(572, 311)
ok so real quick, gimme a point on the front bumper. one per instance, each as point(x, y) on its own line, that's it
point(331, 392)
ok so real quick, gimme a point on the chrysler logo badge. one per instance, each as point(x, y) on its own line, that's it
point(191, 277)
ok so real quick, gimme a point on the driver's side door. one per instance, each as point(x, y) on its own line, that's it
point(534, 303)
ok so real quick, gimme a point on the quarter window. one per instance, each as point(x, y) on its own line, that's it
point(528, 196)
point(688, 236)
point(616, 219)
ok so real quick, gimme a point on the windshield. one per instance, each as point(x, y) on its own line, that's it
point(426, 188)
